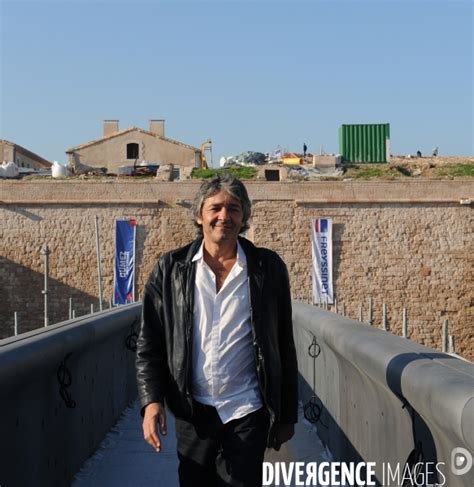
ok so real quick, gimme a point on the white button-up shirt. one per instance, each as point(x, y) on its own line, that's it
point(224, 371)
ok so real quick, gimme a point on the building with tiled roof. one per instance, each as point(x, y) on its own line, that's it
point(133, 146)
point(11, 151)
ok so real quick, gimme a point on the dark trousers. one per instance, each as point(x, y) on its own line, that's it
point(214, 454)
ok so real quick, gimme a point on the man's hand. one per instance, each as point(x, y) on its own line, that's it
point(154, 413)
point(281, 434)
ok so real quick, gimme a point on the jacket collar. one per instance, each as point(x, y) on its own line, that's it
point(194, 246)
point(252, 254)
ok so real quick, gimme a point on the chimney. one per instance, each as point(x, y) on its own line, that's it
point(157, 127)
point(110, 127)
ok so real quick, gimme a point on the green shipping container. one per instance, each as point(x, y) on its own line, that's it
point(365, 142)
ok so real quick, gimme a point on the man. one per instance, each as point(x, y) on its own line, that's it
point(216, 344)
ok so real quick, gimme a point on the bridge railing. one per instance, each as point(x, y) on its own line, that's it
point(384, 399)
point(61, 389)
point(377, 397)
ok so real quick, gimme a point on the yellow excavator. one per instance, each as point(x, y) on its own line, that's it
point(206, 145)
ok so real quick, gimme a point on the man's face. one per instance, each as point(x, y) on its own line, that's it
point(221, 218)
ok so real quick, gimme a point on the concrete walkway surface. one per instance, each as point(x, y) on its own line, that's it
point(124, 459)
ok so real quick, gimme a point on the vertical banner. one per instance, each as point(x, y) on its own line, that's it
point(321, 236)
point(124, 282)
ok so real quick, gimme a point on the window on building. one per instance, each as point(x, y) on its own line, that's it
point(272, 174)
point(132, 151)
point(175, 173)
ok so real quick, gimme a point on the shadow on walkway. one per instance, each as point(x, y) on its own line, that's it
point(125, 460)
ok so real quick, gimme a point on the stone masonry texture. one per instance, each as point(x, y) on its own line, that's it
point(403, 244)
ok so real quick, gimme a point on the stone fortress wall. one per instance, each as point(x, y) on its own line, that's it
point(406, 244)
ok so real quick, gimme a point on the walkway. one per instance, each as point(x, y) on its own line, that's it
point(125, 460)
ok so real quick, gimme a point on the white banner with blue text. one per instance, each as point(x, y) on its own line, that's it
point(321, 236)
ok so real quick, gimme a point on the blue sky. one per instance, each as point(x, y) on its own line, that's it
point(250, 75)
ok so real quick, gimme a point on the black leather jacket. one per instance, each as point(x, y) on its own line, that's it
point(164, 345)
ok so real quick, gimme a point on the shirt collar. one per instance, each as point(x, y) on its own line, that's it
point(241, 257)
point(199, 254)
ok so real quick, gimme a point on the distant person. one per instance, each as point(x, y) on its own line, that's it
point(216, 345)
point(305, 149)
point(418, 153)
point(435, 152)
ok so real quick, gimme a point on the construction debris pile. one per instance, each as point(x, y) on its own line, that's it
point(248, 158)
point(300, 167)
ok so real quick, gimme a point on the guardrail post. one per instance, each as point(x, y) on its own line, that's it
point(99, 270)
point(405, 324)
point(15, 321)
point(370, 319)
point(452, 344)
point(70, 308)
point(384, 317)
point(360, 312)
point(45, 251)
point(445, 337)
